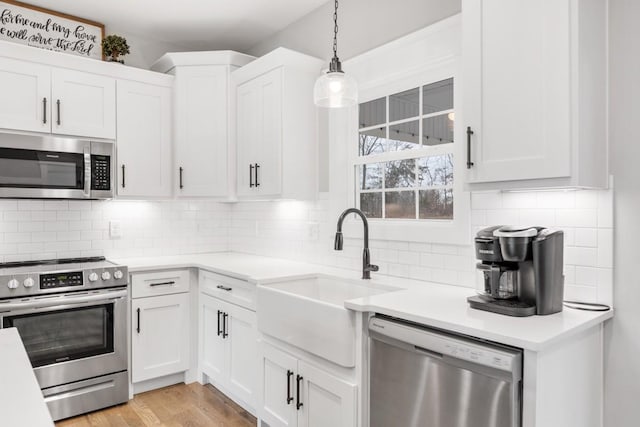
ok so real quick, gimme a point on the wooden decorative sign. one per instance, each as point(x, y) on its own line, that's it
point(47, 29)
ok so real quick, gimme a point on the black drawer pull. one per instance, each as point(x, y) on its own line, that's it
point(289, 397)
point(256, 169)
point(181, 170)
point(224, 288)
point(58, 105)
point(162, 283)
point(44, 110)
point(469, 133)
point(225, 334)
point(123, 177)
point(298, 386)
point(219, 330)
point(138, 327)
point(250, 176)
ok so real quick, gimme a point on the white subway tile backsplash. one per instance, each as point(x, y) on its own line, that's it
point(31, 229)
point(587, 237)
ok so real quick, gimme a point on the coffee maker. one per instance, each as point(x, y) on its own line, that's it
point(520, 270)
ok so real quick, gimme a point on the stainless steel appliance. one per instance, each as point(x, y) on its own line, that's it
point(520, 270)
point(55, 167)
point(71, 316)
point(425, 377)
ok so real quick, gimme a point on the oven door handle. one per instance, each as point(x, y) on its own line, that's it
point(62, 300)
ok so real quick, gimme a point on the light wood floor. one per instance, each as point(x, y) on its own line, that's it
point(192, 405)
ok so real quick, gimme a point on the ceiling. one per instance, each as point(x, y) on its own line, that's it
point(191, 24)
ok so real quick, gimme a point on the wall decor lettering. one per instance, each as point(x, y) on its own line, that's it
point(47, 29)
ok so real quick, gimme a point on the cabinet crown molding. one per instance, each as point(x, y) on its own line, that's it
point(170, 60)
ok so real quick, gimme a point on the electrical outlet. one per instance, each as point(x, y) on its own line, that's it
point(115, 229)
point(313, 231)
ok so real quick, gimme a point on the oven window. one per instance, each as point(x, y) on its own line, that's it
point(62, 335)
point(41, 169)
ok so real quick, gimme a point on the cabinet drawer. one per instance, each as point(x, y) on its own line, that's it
point(228, 289)
point(159, 283)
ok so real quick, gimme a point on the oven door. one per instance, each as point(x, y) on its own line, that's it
point(44, 167)
point(71, 337)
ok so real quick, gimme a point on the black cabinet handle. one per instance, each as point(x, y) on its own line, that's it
point(469, 133)
point(44, 111)
point(58, 105)
point(224, 288)
point(162, 283)
point(250, 176)
point(138, 327)
point(219, 331)
point(256, 169)
point(180, 172)
point(289, 397)
point(298, 386)
point(224, 325)
point(123, 183)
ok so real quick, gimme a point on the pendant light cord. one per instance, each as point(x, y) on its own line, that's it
point(335, 30)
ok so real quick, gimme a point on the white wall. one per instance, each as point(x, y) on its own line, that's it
point(363, 24)
point(622, 371)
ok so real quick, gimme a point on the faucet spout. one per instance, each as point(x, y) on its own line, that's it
point(367, 267)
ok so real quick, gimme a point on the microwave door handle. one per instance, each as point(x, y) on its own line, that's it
point(87, 171)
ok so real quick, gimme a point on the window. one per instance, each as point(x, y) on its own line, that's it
point(404, 169)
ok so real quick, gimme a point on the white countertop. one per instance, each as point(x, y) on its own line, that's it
point(21, 401)
point(437, 305)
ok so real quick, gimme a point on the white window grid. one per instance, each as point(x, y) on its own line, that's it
point(416, 154)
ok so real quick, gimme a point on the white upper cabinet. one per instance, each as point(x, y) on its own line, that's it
point(535, 93)
point(277, 126)
point(83, 104)
point(144, 140)
point(204, 161)
point(26, 96)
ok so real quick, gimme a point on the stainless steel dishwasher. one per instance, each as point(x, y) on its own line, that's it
point(421, 377)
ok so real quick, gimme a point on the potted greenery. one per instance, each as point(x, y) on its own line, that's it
point(113, 47)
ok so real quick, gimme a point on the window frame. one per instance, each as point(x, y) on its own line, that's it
point(454, 231)
point(416, 154)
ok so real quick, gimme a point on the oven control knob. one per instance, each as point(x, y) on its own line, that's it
point(93, 277)
point(117, 274)
point(28, 282)
point(106, 275)
point(13, 284)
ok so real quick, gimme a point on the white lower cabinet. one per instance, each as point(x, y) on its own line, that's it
point(159, 336)
point(294, 392)
point(228, 347)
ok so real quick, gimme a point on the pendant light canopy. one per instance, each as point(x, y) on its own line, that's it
point(335, 89)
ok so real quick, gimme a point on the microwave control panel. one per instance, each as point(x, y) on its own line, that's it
point(100, 172)
point(61, 280)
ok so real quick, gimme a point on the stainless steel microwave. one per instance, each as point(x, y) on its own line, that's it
point(49, 167)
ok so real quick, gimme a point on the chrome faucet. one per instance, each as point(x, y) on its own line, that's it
point(367, 267)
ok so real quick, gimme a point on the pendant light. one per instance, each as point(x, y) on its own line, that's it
point(335, 89)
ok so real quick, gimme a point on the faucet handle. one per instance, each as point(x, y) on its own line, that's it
point(372, 267)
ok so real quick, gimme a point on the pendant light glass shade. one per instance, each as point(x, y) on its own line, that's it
point(335, 89)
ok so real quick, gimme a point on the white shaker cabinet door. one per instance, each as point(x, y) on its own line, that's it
point(277, 405)
point(144, 140)
point(517, 89)
point(259, 135)
point(202, 148)
point(242, 341)
point(83, 104)
point(326, 400)
point(213, 347)
point(26, 96)
point(159, 336)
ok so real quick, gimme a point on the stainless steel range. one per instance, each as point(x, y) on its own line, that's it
point(71, 315)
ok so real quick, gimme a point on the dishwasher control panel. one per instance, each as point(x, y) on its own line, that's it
point(439, 344)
